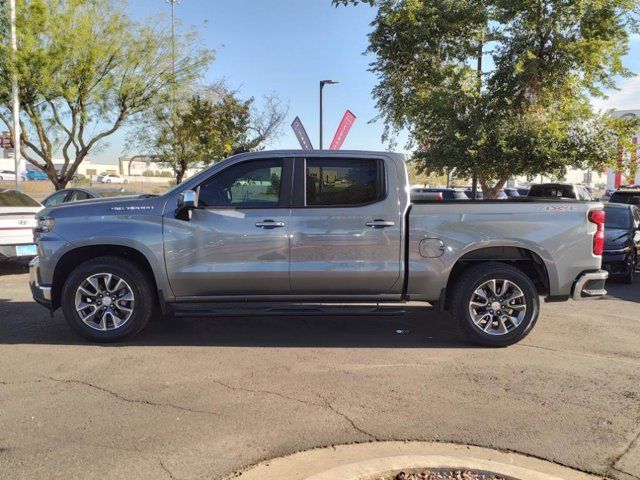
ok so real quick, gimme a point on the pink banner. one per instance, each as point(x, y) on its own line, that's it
point(343, 130)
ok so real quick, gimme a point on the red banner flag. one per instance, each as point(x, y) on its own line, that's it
point(343, 130)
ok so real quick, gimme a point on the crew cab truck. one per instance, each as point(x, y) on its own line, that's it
point(299, 228)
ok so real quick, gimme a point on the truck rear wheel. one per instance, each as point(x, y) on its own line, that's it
point(495, 304)
point(107, 299)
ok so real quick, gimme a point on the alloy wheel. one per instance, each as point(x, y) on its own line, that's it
point(497, 306)
point(104, 301)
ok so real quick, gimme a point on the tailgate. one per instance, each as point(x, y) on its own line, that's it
point(17, 227)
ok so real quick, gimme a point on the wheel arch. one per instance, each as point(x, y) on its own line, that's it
point(78, 255)
point(526, 260)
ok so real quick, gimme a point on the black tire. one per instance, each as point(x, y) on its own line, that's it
point(471, 280)
point(134, 276)
point(630, 274)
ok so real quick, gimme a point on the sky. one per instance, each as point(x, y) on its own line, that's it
point(287, 47)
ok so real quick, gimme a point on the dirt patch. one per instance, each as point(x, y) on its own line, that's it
point(432, 474)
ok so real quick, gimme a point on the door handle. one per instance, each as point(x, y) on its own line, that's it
point(379, 223)
point(269, 224)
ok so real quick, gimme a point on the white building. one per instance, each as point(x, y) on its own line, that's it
point(85, 168)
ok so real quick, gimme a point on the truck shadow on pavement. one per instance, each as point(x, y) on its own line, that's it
point(13, 268)
point(28, 323)
point(617, 289)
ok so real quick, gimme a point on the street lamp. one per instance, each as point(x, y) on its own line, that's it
point(15, 109)
point(173, 76)
point(322, 84)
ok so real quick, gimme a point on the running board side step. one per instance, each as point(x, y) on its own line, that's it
point(242, 311)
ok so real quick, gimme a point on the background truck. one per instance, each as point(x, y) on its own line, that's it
point(313, 228)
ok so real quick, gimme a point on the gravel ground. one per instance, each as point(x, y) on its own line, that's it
point(439, 475)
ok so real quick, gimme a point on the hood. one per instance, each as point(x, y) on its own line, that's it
point(106, 206)
point(615, 238)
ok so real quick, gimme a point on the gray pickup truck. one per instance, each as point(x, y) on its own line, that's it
point(303, 231)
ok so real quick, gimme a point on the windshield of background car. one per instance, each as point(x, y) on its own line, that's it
point(560, 191)
point(617, 218)
point(13, 198)
point(624, 197)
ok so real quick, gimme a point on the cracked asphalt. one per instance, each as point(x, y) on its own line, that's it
point(206, 398)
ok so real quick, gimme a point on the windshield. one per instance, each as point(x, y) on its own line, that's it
point(563, 191)
point(617, 218)
point(625, 197)
point(13, 198)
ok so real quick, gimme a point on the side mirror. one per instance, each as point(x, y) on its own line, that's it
point(187, 201)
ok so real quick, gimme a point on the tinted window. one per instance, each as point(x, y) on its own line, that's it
point(55, 199)
point(333, 182)
point(13, 198)
point(617, 218)
point(78, 195)
point(625, 197)
point(561, 191)
point(254, 184)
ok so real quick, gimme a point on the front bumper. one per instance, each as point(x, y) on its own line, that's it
point(40, 293)
point(590, 284)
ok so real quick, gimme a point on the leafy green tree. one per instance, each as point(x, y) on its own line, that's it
point(498, 88)
point(206, 127)
point(84, 70)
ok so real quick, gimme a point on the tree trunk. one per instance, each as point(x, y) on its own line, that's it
point(491, 192)
point(179, 175)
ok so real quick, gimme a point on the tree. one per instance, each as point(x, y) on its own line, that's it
point(521, 113)
point(84, 70)
point(624, 128)
point(207, 126)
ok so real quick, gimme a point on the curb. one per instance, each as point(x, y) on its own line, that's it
point(368, 460)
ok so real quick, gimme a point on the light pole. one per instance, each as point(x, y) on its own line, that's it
point(322, 84)
point(173, 76)
point(15, 96)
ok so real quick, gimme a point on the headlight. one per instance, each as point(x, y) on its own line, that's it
point(45, 224)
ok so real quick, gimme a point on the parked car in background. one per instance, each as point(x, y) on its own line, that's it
point(523, 191)
point(559, 190)
point(76, 194)
point(111, 178)
point(17, 221)
point(607, 194)
point(621, 240)
point(630, 197)
point(511, 192)
point(432, 194)
point(7, 175)
point(33, 175)
point(469, 193)
point(317, 227)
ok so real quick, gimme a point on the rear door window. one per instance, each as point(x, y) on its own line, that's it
point(78, 195)
point(334, 182)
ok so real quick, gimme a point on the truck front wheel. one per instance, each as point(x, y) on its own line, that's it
point(495, 304)
point(107, 299)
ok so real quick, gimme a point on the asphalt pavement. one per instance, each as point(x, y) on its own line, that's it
point(206, 398)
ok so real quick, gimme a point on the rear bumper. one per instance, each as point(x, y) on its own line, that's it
point(590, 284)
point(9, 251)
point(40, 293)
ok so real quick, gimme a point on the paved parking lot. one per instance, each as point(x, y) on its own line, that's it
point(205, 398)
